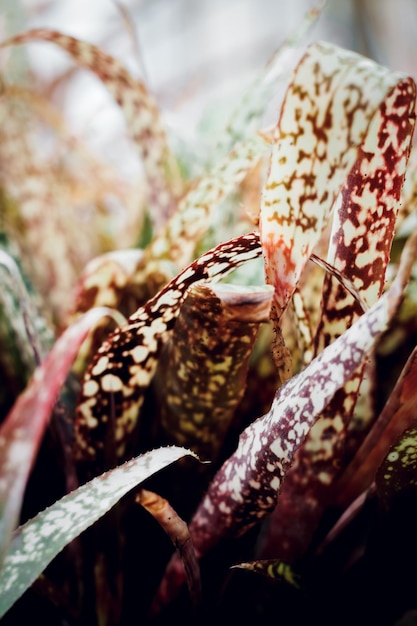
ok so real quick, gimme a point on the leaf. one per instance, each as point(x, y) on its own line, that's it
point(398, 472)
point(39, 188)
point(179, 239)
point(202, 371)
point(126, 362)
point(397, 415)
point(246, 488)
point(21, 313)
point(22, 431)
point(140, 111)
point(365, 159)
point(324, 120)
point(174, 246)
point(37, 542)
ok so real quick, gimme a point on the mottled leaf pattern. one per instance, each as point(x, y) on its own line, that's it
point(245, 489)
point(114, 385)
point(397, 472)
point(180, 237)
point(398, 414)
point(359, 242)
point(322, 126)
point(174, 246)
point(306, 372)
point(272, 569)
point(202, 370)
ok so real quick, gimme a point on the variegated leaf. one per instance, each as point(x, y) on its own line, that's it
point(246, 488)
point(370, 147)
point(272, 569)
point(179, 239)
point(397, 415)
point(114, 385)
point(174, 246)
point(37, 542)
point(397, 473)
point(202, 371)
point(324, 120)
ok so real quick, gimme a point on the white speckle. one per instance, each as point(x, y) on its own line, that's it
point(110, 382)
point(100, 366)
point(275, 483)
point(139, 353)
point(90, 388)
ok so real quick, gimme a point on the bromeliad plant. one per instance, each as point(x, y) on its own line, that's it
point(244, 377)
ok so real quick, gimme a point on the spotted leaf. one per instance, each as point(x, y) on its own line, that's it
point(37, 542)
point(325, 118)
point(397, 416)
point(202, 371)
point(368, 157)
point(246, 488)
point(175, 245)
point(114, 385)
point(272, 569)
point(397, 474)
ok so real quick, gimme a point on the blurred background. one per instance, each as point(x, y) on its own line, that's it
point(195, 55)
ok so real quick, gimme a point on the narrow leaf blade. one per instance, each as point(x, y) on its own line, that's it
point(37, 542)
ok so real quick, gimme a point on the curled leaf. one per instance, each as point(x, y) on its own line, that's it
point(202, 371)
point(123, 367)
point(178, 532)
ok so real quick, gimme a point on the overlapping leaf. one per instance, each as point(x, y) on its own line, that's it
point(123, 367)
point(24, 426)
point(398, 415)
point(359, 242)
point(331, 134)
point(174, 246)
point(246, 487)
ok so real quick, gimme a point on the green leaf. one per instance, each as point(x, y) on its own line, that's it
point(37, 542)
